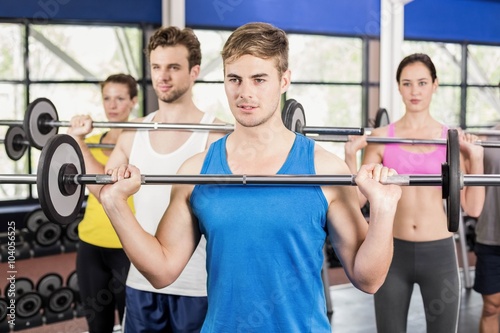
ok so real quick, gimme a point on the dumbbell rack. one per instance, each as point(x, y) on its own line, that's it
point(41, 297)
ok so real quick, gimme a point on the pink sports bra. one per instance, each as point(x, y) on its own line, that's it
point(406, 162)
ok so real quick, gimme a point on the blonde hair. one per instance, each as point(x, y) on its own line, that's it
point(258, 39)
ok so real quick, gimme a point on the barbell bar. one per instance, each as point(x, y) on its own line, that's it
point(298, 122)
point(381, 140)
point(324, 133)
point(484, 132)
point(9, 122)
point(41, 122)
point(61, 177)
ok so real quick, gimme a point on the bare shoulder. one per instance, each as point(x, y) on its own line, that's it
point(126, 138)
point(219, 121)
point(214, 136)
point(326, 162)
point(192, 166)
point(374, 152)
point(123, 146)
point(137, 120)
point(380, 131)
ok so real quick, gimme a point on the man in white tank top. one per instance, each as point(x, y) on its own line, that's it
point(175, 58)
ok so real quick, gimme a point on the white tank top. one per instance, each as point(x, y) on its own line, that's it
point(151, 202)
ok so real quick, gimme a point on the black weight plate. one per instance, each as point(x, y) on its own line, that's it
point(49, 283)
point(59, 207)
point(22, 285)
point(382, 118)
point(452, 193)
point(72, 282)
point(48, 234)
point(3, 309)
point(14, 147)
point(60, 300)
point(39, 111)
point(293, 116)
point(28, 305)
point(71, 231)
point(35, 219)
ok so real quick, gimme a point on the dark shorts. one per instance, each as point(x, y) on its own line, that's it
point(487, 277)
point(149, 312)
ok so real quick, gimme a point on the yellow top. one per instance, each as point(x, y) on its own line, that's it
point(95, 228)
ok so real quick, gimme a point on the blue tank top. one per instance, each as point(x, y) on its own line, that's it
point(264, 249)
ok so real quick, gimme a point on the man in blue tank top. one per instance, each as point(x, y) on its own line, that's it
point(264, 243)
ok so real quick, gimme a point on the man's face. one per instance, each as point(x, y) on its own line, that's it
point(253, 88)
point(170, 72)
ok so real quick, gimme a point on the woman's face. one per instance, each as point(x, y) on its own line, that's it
point(416, 87)
point(117, 101)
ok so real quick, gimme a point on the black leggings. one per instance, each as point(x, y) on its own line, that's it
point(102, 273)
point(433, 266)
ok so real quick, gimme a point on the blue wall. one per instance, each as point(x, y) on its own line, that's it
point(454, 20)
point(476, 21)
point(310, 16)
point(124, 11)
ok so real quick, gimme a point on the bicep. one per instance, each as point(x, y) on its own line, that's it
point(178, 231)
point(120, 154)
point(373, 151)
point(347, 226)
point(373, 154)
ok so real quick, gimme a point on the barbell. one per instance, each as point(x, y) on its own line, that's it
point(298, 124)
point(381, 140)
point(16, 143)
point(41, 122)
point(61, 177)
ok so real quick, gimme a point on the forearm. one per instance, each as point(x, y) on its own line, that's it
point(352, 163)
point(92, 166)
point(473, 200)
point(143, 249)
point(473, 196)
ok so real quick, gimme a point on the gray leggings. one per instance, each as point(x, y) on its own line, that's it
point(433, 266)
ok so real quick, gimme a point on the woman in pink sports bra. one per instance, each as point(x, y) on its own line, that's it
point(424, 249)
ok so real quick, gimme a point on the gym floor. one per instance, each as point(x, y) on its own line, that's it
point(352, 309)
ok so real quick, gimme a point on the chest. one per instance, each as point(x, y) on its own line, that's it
point(260, 213)
point(414, 162)
point(166, 141)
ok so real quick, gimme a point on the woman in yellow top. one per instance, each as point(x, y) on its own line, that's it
point(101, 264)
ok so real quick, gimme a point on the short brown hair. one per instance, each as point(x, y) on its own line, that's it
point(172, 36)
point(258, 39)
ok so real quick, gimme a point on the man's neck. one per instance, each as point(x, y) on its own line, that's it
point(185, 112)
